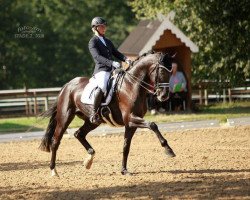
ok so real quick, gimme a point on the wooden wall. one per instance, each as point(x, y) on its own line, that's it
point(183, 56)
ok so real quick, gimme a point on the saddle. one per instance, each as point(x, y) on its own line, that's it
point(88, 94)
point(88, 97)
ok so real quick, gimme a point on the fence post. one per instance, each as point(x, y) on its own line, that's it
point(46, 103)
point(35, 104)
point(27, 101)
point(206, 97)
point(30, 106)
point(224, 95)
point(229, 95)
point(200, 95)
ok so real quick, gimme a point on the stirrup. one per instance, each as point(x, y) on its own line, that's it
point(95, 118)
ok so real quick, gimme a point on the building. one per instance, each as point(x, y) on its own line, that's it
point(161, 35)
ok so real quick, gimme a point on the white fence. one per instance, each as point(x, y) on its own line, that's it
point(33, 101)
point(204, 96)
point(26, 102)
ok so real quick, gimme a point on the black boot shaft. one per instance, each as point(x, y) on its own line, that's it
point(98, 98)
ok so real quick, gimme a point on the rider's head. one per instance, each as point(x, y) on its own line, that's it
point(98, 25)
point(175, 67)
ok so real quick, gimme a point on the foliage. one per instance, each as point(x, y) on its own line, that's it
point(221, 29)
point(62, 53)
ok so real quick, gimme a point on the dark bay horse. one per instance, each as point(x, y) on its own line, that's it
point(128, 107)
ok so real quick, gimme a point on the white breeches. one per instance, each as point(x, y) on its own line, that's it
point(102, 78)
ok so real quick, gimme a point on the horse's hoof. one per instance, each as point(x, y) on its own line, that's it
point(54, 173)
point(88, 161)
point(170, 153)
point(125, 172)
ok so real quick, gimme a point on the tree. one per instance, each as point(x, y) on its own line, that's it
point(221, 29)
point(61, 53)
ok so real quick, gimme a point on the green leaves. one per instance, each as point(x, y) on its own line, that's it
point(62, 53)
point(221, 29)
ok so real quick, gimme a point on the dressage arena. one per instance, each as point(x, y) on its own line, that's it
point(209, 164)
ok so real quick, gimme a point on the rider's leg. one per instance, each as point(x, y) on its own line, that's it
point(102, 78)
point(98, 99)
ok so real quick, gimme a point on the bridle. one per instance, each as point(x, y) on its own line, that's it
point(157, 85)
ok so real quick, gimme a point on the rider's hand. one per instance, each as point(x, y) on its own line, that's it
point(116, 64)
point(128, 61)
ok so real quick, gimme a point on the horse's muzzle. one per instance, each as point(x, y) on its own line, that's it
point(162, 98)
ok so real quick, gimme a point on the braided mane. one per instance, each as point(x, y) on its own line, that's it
point(141, 56)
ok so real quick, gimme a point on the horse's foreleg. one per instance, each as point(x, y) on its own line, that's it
point(80, 134)
point(129, 132)
point(162, 140)
point(141, 123)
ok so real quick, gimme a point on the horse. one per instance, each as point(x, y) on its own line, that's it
point(147, 74)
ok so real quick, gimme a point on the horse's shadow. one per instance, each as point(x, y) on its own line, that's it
point(210, 186)
point(203, 171)
point(32, 165)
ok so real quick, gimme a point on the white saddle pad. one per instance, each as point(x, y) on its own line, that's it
point(89, 92)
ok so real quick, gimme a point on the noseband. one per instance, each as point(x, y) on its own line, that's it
point(157, 83)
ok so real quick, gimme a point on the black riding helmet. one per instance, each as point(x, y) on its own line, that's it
point(97, 21)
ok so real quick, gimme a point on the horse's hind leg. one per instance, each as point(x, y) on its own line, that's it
point(63, 121)
point(129, 133)
point(80, 134)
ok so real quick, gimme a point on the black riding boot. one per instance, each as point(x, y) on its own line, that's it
point(94, 118)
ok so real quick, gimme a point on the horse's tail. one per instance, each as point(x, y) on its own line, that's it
point(47, 138)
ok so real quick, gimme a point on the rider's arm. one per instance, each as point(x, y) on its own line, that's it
point(117, 53)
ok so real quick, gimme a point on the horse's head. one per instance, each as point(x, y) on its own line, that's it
point(160, 70)
point(154, 69)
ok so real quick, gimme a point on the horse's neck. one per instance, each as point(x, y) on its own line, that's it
point(135, 80)
point(142, 68)
point(140, 72)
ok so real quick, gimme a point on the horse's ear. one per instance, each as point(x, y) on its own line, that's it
point(166, 60)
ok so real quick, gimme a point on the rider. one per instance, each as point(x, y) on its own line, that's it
point(102, 50)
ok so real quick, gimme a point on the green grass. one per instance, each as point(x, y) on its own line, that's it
point(218, 111)
point(26, 124)
point(22, 124)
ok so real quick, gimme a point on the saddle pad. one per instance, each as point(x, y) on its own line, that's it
point(89, 92)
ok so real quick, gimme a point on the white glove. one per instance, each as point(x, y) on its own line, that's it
point(128, 61)
point(116, 64)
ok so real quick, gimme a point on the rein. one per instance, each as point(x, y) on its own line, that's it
point(137, 80)
point(158, 85)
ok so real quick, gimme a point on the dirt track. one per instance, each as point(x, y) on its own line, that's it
point(210, 164)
